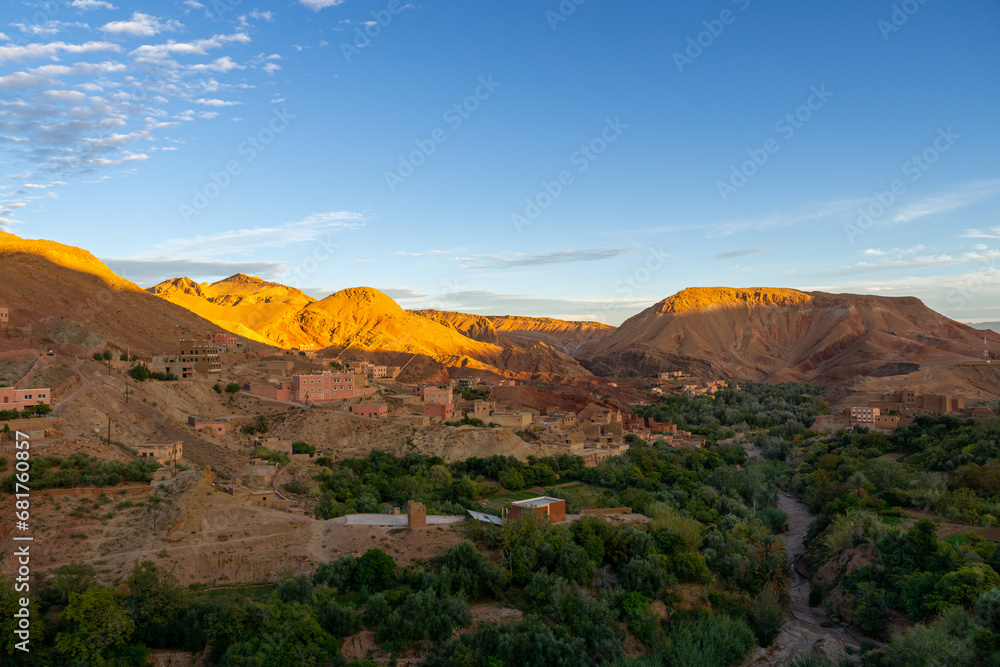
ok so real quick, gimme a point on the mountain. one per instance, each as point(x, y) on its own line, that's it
point(570, 338)
point(992, 326)
point(248, 306)
point(359, 319)
point(573, 338)
point(784, 335)
point(70, 299)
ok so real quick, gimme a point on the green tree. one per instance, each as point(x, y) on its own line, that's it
point(232, 388)
point(107, 355)
point(376, 570)
point(154, 601)
point(139, 372)
point(98, 630)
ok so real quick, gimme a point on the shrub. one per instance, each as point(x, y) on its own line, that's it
point(765, 618)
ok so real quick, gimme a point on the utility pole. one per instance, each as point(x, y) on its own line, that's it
point(109, 429)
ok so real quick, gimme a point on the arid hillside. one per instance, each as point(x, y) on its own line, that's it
point(573, 338)
point(785, 335)
point(245, 305)
point(70, 300)
point(359, 319)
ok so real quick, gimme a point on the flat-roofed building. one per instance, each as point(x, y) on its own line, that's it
point(204, 425)
point(19, 399)
point(433, 394)
point(323, 387)
point(442, 410)
point(280, 390)
point(371, 410)
point(173, 365)
point(166, 453)
point(553, 509)
point(203, 354)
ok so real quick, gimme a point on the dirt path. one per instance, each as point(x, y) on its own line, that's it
point(803, 631)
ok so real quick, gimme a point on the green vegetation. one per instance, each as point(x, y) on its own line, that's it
point(232, 387)
point(873, 494)
point(52, 472)
point(30, 411)
point(141, 373)
point(469, 394)
point(790, 407)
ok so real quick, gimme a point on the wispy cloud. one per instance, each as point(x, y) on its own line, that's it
point(993, 233)
point(959, 197)
point(149, 271)
point(426, 253)
point(239, 241)
point(498, 261)
point(747, 252)
point(488, 302)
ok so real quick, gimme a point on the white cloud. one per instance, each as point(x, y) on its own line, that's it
point(200, 47)
point(141, 25)
point(52, 50)
point(221, 65)
point(959, 197)
point(87, 5)
point(216, 103)
point(237, 241)
point(498, 261)
point(23, 80)
point(271, 68)
point(266, 16)
point(993, 233)
point(317, 5)
point(50, 27)
point(193, 4)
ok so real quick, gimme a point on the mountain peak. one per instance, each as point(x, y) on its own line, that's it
point(706, 298)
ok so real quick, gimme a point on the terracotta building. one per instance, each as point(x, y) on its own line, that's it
point(324, 386)
point(371, 410)
point(18, 399)
point(203, 425)
point(554, 509)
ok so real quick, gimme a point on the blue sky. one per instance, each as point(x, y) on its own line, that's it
point(575, 159)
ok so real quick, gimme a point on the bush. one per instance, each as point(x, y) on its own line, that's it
point(300, 447)
point(815, 595)
point(766, 618)
point(376, 570)
point(233, 387)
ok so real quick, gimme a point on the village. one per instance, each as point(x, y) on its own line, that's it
point(348, 387)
